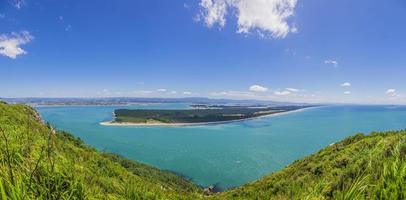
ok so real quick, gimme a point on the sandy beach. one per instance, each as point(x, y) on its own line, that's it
point(112, 123)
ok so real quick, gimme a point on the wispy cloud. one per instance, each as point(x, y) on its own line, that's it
point(282, 93)
point(234, 94)
point(187, 6)
point(332, 62)
point(213, 11)
point(68, 27)
point(293, 89)
point(391, 92)
point(142, 92)
point(258, 88)
point(187, 93)
point(347, 92)
point(161, 90)
point(10, 44)
point(346, 84)
point(290, 51)
point(286, 92)
point(18, 3)
point(104, 93)
point(260, 16)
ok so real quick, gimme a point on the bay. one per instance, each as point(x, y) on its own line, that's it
point(230, 154)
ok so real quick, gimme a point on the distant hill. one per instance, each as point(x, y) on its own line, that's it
point(133, 100)
point(37, 162)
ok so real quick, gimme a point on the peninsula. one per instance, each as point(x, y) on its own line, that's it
point(202, 116)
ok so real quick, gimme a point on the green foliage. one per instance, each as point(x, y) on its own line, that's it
point(359, 167)
point(37, 162)
point(393, 185)
point(167, 179)
point(195, 115)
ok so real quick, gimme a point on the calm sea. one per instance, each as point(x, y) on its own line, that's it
point(228, 154)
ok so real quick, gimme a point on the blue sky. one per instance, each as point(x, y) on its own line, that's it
point(302, 51)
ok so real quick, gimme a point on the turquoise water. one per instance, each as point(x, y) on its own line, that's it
point(227, 154)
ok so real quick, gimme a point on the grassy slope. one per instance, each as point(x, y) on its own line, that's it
point(36, 162)
point(359, 167)
point(48, 165)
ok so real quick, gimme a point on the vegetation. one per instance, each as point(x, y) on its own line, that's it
point(37, 162)
point(165, 178)
point(359, 167)
point(219, 114)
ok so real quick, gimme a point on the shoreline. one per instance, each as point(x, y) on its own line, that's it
point(129, 124)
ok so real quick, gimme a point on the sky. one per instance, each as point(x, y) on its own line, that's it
point(316, 51)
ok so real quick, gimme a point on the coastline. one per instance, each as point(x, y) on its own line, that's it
point(112, 123)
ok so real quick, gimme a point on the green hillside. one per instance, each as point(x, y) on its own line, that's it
point(359, 167)
point(40, 163)
point(37, 162)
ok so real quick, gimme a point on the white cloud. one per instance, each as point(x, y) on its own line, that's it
point(161, 90)
point(187, 93)
point(331, 62)
point(294, 29)
point(346, 84)
point(391, 92)
point(293, 89)
point(173, 92)
point(347, 92)
point(282, 93)
point(10, 44)
point(214, 11)
point(287, 92)
point(258, 88)
point(266, 17)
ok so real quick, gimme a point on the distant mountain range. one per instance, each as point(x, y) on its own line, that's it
point(132, 100)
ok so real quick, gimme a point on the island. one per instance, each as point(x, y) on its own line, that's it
point(211, 114)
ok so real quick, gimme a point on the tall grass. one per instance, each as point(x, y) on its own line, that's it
point(359, 167)
point(37, 162)
point(393, 178)
point(356, 190)
point(27, 178)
